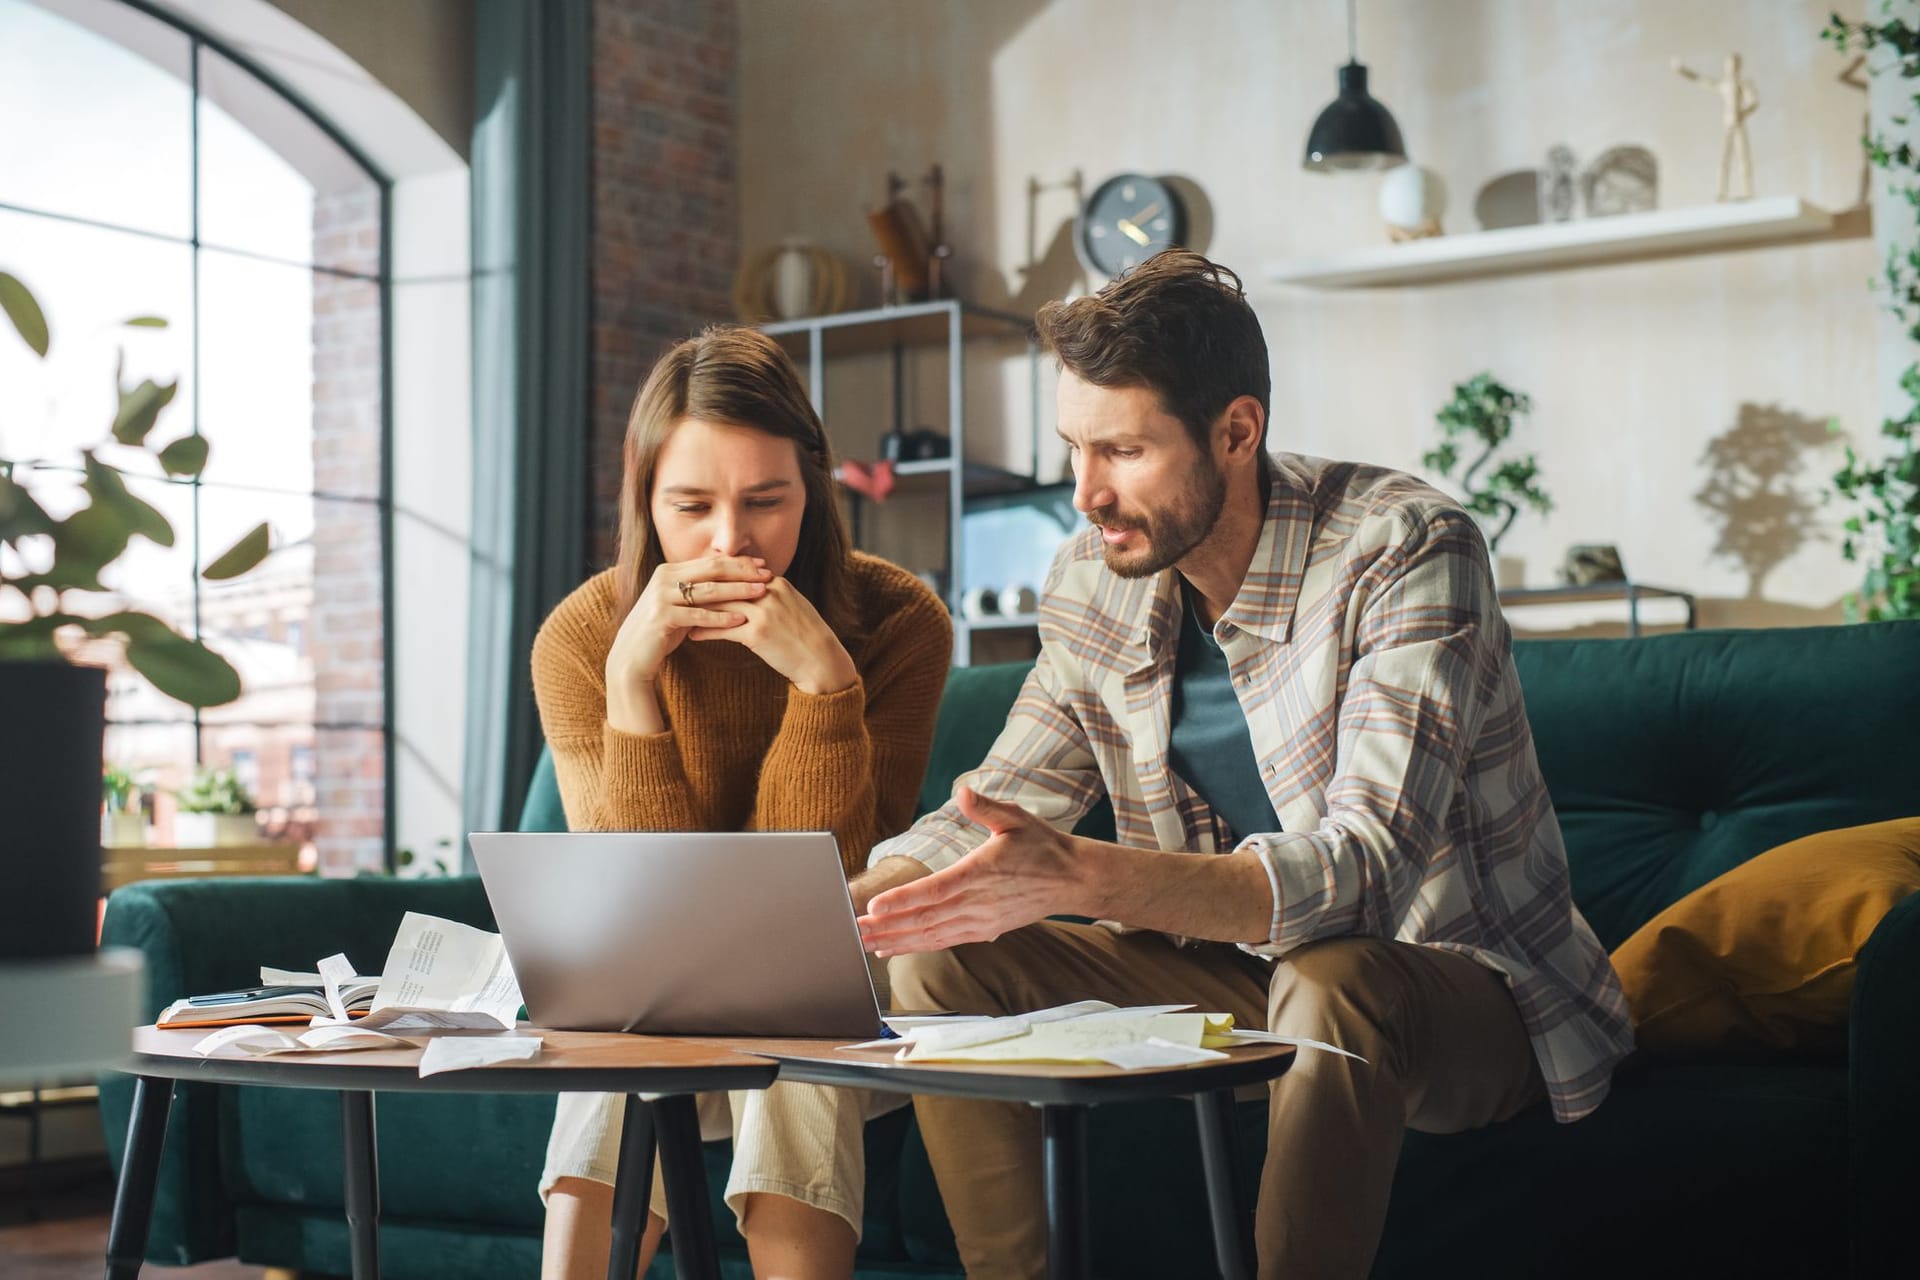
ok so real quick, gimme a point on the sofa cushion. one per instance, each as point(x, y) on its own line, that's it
point(1673, 759)
point(1762, 958)
point(973, 711)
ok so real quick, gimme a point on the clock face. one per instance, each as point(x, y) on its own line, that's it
point(1127, 220)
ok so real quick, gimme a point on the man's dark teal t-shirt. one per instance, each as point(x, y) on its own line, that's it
point(1210, 747)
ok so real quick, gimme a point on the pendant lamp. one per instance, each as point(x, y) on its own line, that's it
point(1353, 132)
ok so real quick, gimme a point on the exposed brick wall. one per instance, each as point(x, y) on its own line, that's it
point(345, 631)
point(666, 234)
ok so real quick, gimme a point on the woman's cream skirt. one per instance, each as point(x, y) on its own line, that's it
point(802, 1141)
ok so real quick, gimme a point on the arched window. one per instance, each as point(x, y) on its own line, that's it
point(145, 170)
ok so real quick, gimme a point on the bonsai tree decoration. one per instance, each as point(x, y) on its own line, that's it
point(1882, 531)
point(1479, 420)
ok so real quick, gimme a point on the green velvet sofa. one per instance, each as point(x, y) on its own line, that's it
point(1671, 759)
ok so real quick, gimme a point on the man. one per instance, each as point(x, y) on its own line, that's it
point(1297, 667)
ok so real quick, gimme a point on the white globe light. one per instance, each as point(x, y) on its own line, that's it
point(1412, 197)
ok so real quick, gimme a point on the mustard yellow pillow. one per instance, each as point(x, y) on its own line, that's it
point(1762, 958)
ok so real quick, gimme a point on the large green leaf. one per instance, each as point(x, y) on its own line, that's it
point(130, 623)
point(64, 575)
point(31, 640)
point(107, 488)
point(28, 320)
point(139, 409)
point(20, 516)
point(241, 556)
point(183, 669)
point(186, 456)
point(92, 537)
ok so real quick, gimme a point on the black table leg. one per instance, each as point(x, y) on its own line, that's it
point(678, 1125)
point(1214, 1111)
point(363, 1184)
point(632, 1188)
point(1069, 1240)
point(139, 1172)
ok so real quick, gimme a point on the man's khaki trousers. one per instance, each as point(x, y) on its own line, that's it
point(1444, 1046)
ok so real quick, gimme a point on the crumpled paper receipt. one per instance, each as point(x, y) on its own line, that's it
point(259, 1041)
point(1090, 1031)
point(461, 1053)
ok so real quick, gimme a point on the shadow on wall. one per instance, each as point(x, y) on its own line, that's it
point(1755, 490)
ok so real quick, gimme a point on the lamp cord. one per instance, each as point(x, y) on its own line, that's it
point(1352, 47)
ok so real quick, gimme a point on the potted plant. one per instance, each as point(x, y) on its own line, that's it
point(52, 600)
point(215, 809)
point(1882, 531)
point(121, 819)
point(1480, 416)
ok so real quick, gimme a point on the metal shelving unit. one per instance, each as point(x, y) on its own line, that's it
point(943, 322)
point(1631, 592)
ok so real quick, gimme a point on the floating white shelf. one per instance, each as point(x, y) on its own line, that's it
point(1702, 229)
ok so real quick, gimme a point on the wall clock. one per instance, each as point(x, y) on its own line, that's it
point(1128, 219)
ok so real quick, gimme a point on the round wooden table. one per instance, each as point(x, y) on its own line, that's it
point(1063, 1093)
point(569, 1061)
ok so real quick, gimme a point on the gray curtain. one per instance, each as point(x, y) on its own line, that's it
point(531, 300)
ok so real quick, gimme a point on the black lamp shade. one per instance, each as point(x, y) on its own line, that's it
point(1354, 132)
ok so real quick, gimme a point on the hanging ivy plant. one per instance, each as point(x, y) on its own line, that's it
point(1882, 529)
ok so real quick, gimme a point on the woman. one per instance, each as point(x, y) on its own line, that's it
point(740, 668)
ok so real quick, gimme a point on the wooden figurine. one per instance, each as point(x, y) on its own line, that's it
point(1738, 100)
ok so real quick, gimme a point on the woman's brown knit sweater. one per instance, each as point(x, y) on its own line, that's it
point(744, 750)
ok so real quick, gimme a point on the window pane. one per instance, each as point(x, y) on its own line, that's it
point(350, 832)
point(98, 114)
point(290, 377)
point(89, 282)
point(273, 183)
point(274, 763)
point(305, 628)
point(258, 620)
point(160, 757)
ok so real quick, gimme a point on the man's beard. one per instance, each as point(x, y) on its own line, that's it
point(1171, 531)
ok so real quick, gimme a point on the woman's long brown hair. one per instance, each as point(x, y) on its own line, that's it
point(742, 377)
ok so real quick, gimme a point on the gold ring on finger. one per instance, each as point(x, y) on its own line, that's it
point(686, 592)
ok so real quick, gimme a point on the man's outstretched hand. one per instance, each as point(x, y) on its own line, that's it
point(1026, 871)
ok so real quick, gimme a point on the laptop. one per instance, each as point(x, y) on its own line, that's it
point(680, 933)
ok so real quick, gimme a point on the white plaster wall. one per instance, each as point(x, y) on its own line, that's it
point(1636, 370)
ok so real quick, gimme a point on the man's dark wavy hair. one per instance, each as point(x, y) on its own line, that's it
point(1177, 324)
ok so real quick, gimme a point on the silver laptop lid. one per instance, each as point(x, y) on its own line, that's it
point(680, 933)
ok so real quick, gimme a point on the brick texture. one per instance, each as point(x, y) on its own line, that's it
point(666, 235)
point(345, 636)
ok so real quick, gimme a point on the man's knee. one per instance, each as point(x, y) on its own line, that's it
point(957, 980)
point(1345, 985)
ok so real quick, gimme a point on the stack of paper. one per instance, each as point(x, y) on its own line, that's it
point(1091, 1031)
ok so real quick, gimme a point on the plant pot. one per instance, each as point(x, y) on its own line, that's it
point(50, 740)
point(213, 830)
point(122, 829)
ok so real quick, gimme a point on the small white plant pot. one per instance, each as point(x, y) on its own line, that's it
point(119, 829)
point(213, 830)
